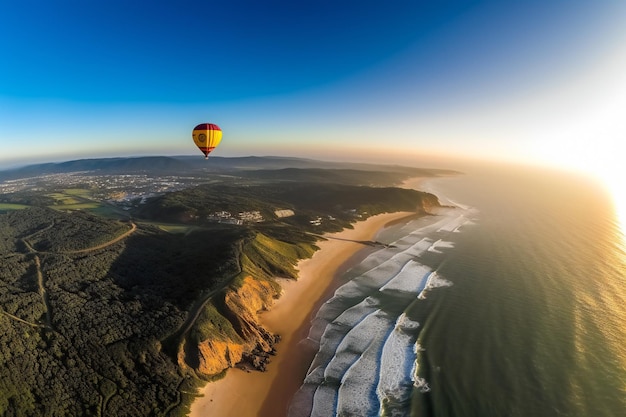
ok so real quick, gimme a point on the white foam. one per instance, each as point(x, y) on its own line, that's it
point(373, 260)
point(355, 314)
point(422, 385)
point(318, 325)
point(366, 357)
point(372, 328)
point(316, 376)
point(349, 290)
point(339, 365)
point(404, 323)
point(331, 309)
point(411, 279)
point(453, 224)
point(418, 248)
point(386, 269)
point(379, 275)
point(409, 240)
point(440, 244)
point(440, 221)
point(414, 243)
point(434, 281)
point(329, 342)
point(398, 357)
point(324, 401)
point(335, 331)
point(419, 382)
point(357, 393)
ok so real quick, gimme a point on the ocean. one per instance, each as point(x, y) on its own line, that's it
point(510, 302)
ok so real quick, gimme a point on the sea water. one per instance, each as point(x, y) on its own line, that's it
point(509, 302)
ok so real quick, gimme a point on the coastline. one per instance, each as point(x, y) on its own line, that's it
point(265, 394)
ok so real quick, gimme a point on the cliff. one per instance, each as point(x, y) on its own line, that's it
point(234, 335)
point(227, 333)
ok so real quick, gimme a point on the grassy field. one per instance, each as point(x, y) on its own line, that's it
point(70, 199)
point(63, 199)
point(74, 199)
point(9, 206)
point(77, 206)
point(174, 228)
point(79, 192)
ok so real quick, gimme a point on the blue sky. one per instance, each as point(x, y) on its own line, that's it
point(400, 81)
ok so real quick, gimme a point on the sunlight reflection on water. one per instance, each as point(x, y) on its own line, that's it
point(618, 195)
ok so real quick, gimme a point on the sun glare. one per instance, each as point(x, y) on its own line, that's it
point(611, 172)
point(598, 159)
point(615, 185)
point(604, 163)
point(589, 139)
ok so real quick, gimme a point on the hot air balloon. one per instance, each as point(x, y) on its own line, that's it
point(207, 136)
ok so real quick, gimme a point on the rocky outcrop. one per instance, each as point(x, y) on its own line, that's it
point(249, 345)
point(216, 355)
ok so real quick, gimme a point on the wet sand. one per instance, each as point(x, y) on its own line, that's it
point(265, 394)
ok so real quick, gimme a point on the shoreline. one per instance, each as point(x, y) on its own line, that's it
point(267, 394)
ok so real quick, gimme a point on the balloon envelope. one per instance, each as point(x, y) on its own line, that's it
point(207, 136)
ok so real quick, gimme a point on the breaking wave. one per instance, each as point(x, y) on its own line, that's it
point(366, 363)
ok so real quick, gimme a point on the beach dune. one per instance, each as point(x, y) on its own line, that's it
point(265, 394)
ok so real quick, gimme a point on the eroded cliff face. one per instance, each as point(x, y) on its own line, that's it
point(245, 303)
point(215, 355)
point(252, 343)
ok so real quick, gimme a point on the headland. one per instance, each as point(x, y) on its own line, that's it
point(265, 394)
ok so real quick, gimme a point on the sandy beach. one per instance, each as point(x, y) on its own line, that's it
point(265, 394)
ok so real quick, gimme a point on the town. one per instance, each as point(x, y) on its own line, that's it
point(125, 191)
point(107, 187)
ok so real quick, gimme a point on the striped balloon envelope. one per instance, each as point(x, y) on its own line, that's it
point(207, 136)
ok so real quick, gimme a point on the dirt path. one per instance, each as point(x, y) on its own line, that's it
point(43, 293)
point(105, 244)
point(11, 316)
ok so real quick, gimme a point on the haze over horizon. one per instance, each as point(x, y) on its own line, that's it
point(535, 82)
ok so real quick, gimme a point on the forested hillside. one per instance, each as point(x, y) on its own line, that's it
point(81, 331)
point(337, 204)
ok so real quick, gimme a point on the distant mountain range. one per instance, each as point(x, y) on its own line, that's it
point(189, 164)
